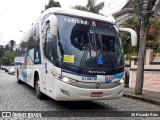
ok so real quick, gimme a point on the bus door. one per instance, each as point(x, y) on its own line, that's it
point(48, 52)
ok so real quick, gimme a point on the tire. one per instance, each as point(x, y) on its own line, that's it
point(39, 94)
point(18, 80)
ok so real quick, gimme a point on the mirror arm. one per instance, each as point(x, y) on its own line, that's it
point(133, 35)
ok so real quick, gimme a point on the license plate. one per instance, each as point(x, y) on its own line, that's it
point(96, 94)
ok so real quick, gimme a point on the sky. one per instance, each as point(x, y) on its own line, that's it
point(17, 16)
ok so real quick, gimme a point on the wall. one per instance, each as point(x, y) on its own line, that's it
point(151, 73)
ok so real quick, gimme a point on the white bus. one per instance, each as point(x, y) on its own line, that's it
point(73, 55)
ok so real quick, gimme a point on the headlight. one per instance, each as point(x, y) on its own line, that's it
point(64, 79)
point(68, 80)
point(121, 81)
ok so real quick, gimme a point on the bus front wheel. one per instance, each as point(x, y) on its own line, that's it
point(39, 94)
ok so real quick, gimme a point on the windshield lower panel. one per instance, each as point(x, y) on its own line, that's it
point(89, 44)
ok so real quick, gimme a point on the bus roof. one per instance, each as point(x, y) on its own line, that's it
point(73, 12)
point(80, 13)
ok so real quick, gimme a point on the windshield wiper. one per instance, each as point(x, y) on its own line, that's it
point(84, 56)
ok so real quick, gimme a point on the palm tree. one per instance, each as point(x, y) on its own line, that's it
point(91, 6)
point(79, 7)
point(133, 23)
point(52, 3)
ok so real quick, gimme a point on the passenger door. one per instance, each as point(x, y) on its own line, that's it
point(49, 58)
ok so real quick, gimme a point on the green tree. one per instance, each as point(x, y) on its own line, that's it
point(7, 48)
point(52, 3)
point(133, 23)
point(2, 51)
point(153, 29)
point(91, 6)
point(153, 34)
point(8, 58)
point(12, 44)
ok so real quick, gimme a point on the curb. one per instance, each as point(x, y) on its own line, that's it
point(142, 98)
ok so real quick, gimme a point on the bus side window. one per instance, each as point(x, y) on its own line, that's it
point(48, 45)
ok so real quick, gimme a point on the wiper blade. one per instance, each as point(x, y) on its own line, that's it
point(84, 56)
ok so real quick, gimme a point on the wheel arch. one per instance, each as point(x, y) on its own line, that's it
point(36, 75)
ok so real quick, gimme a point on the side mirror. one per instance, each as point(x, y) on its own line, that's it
point(52, 19)
point(133, 35)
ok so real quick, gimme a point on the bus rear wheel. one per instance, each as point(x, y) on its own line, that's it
point(39, 94)
point(18, 80)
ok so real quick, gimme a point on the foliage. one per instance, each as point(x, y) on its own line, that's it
point(152, 44)
point(126, 40)
point(7, 53)
point(91, 6)
point(153, 29)
point(8, 58)
point(2, 51)
point(52, 3)
point(129, 50)
point(153, 35)
point(79, 7)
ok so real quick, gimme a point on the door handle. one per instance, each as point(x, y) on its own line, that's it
point(46, 71)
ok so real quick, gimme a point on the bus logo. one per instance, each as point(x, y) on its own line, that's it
point(97, 85)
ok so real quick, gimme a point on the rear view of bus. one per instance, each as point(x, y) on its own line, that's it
point(82, 56)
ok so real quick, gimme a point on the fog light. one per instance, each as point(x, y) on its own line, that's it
point(65, 92)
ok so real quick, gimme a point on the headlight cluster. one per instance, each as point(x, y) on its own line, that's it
point(68, 80)
point(64, 79)
point(121, 81)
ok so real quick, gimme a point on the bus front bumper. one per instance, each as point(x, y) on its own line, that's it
point(67, 92)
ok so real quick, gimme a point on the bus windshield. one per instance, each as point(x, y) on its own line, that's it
point(89, 44)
